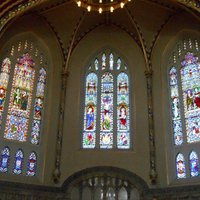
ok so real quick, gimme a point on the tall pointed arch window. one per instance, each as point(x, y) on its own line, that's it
point(106, 107)
point(23, 78)
point(184, 87)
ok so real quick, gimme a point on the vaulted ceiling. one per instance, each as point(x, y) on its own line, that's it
point(143, 20)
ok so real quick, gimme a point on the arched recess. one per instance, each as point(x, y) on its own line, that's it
point(105, 183)
point(161, 52)
point(40, 30)
point(182, 47)
point(91, 45)
point(23, 48)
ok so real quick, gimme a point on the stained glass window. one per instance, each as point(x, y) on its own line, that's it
point(18, 162)
point(106, 110)
point(4, 79)
point(180, 166)
point(123, 137)
point(175, 105)
point(89, 135)
point(32, 162)
point(190, 78)
point(4, 162)
point(39, 101)
point(20, 100)
point(194, 164)
point(184, 97)
point(106, 135)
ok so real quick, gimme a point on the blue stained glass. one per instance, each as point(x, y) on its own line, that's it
point(123, 136)
point(4, 162)
point(38, 107)
point(32, 162)
point(123, 140)
point(178, 135)
point(20, 99)
point(18, 162)
point(175, 106)
point(112, 72)
point(194, 164)
point(190, 76)
point(89, 135)
point(180, 166)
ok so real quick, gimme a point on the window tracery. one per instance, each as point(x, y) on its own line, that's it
point(184, 85)
point(106, 113)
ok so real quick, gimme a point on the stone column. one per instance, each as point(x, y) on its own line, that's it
point(153, 172)
point(57, 173)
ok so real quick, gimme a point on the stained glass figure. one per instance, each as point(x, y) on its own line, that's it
point(4, 78)
point(18, 162)
point(89, 135)
point(123, 140)
point(194, 164)
point(32, 162)
point(180, 166)
point(103, 61)
point(106, 111)
point(111, 61)
point(39, 101)
point(190, 76)
point(175, 106)
point(20, 100)
point(111, 102)
point(4, 162)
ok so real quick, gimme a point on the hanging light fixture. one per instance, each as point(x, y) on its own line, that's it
point(101, 5)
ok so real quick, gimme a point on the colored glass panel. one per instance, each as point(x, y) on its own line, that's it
point(38, 107)
point(18, 162)
point(5, 156)
point(119, 62)
point(4, 78)
point(194, 164)
point(96, 64)
point(89, 139)
point(103, 61)
point(111, 61)
point(20, 100)
point(123, 140)
point(106, 135)
point(190, 76)
point(32, 162)
point(89, 135)
point(180, 166)
point(175, 106)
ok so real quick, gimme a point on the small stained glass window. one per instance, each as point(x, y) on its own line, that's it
point(194, 164)
point(4, 162)
point(32, 162)
point(18, 162)
point(180, 166)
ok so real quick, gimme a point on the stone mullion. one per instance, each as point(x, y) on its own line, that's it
point(57, 173)
point(153, 172)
